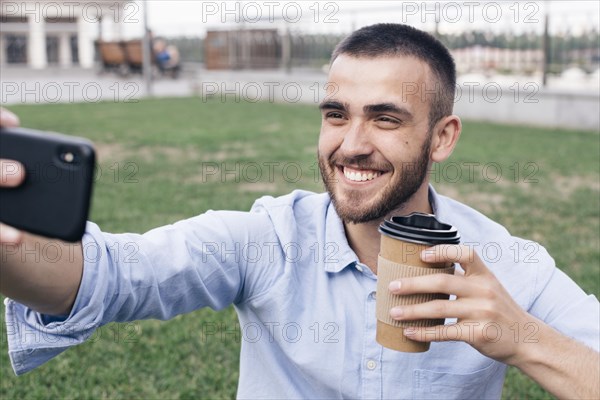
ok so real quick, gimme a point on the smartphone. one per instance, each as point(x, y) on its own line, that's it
point(54, 199)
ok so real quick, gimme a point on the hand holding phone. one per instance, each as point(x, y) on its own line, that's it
point(54, 197)
point(8, 234)
point(12, 174)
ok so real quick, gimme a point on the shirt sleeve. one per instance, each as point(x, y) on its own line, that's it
point(165, 272)
point(562, 304)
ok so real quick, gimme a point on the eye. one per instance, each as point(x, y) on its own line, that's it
point(334, 115)
point(387, 122)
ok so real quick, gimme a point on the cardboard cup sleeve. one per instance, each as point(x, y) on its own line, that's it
point(390, 331)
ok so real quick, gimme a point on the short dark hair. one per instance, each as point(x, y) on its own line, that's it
point(384, 40)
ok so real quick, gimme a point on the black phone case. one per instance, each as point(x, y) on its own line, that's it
point(54, 199)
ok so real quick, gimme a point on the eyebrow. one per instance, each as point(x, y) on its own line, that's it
point(368, 109)
point(386, 108)
point(333, 105)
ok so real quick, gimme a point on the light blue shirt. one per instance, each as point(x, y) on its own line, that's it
point(306, 305)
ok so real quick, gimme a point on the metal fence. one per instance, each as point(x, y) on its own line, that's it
point(507, 38)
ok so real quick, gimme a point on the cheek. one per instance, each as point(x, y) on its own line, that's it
point(399, 144)
point(397, 150)
point(329, 141)
point(392, 147)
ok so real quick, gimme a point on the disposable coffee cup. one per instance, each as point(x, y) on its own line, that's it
point(402, 240)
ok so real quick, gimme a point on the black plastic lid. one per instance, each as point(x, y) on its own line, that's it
point(420, 228)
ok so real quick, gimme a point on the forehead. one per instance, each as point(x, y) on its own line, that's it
point(398, 79)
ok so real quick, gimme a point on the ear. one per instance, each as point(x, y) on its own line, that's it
point(445, 136)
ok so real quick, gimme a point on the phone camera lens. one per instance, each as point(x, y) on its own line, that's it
point(68, 157)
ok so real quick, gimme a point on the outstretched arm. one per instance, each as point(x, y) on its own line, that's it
point(41, 273)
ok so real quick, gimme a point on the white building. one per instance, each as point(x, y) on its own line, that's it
point(42, 33)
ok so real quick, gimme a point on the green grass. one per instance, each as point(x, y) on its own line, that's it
point(155, 157)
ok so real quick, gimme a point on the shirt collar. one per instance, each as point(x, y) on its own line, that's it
point(335, 235)
point(433, 200)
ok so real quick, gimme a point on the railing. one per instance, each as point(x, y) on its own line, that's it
point(507, 38)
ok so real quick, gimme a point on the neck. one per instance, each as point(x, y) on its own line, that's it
point(364, 238)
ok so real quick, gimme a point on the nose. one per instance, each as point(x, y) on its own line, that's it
point(356, 142)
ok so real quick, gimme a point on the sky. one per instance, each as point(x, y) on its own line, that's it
point(192, 18)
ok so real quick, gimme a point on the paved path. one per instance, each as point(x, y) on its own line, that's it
point(54, 85)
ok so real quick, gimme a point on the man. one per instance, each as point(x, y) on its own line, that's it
point(377, 141)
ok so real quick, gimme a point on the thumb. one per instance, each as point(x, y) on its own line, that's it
point(8, 119)
point(12, 173)
point(10, 235)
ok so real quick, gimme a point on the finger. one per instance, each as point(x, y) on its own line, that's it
point(10, 235)
point(8, 119)
point(435, 283)
point(464, 255)
point(12, 173)
point(430, 310)
point(448, 253)
point(438, 333)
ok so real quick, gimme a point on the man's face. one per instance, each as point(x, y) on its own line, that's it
point(374, 146)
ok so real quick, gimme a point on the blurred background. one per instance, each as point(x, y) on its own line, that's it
point(185, 99)
point(524, 62)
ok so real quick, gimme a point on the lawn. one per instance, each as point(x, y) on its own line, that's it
point(168, 159)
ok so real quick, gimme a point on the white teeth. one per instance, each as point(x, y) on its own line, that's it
point(360, 177)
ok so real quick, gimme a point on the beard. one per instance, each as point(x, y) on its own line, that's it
point(358, 207)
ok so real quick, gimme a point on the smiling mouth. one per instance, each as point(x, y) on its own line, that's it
point(360, 175)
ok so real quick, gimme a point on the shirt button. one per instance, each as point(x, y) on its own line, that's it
point(371, 365)
point(373, 295)
point(359, 268)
